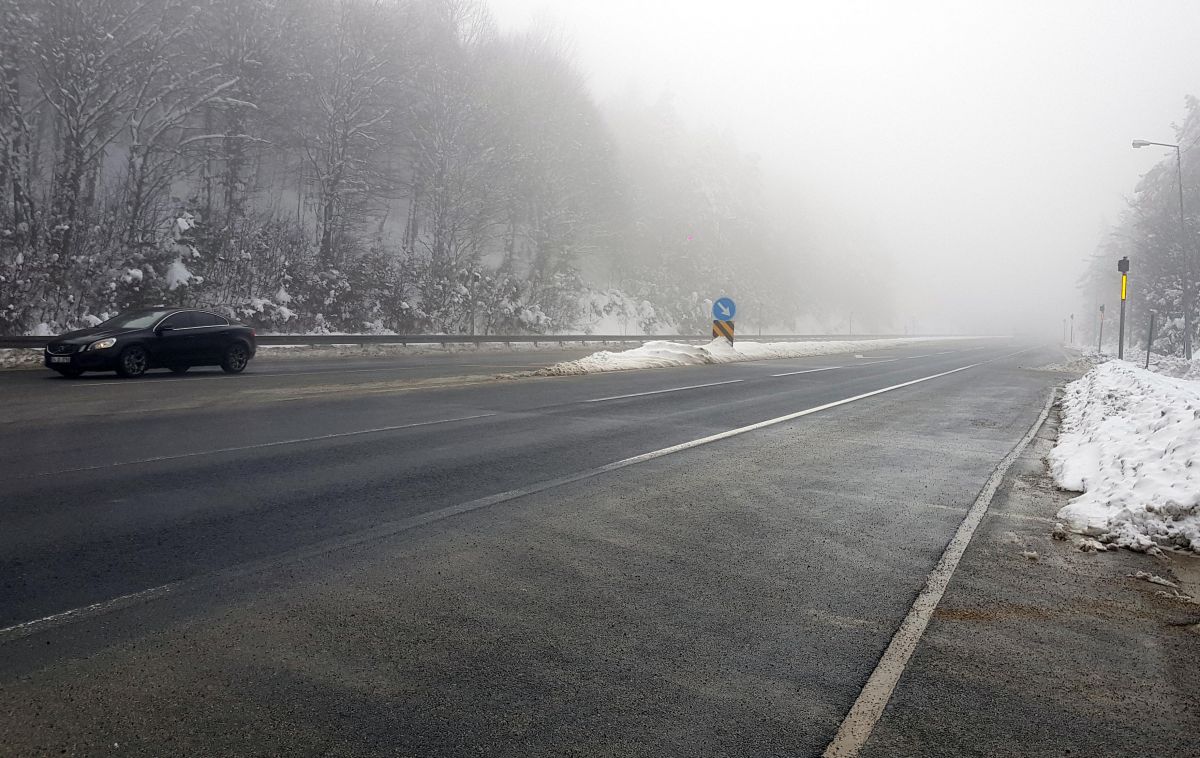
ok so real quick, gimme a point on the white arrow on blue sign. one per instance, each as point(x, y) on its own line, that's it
point(724, 309)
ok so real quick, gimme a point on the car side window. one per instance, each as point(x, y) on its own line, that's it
point(203, 318)
point(178, 321)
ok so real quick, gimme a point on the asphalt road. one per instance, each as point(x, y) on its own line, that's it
point(408, 557)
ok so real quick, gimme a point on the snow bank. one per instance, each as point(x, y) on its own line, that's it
point(20, 357)
point(661, 354)
point(1130, 441)
point(352, 349)
point(1176, 367)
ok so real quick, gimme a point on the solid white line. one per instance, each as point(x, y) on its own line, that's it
point(262, 445)
point(807, 371)
point(384, 531)
point(659, 392)
point(856, 728)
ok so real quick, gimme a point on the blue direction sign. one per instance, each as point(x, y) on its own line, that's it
point(723, 309)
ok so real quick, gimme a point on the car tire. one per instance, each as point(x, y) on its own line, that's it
point(69, 373)
point(235, 359)
point(133, 362)
point(179, 369)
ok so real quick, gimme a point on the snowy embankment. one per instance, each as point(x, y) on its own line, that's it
point(660, 354)
point(1130, 441)
point(20, 357)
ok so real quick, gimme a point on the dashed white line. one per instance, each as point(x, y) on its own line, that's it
point(261, 445)
point(27, 628)
point(114, 382)
point(659, 392)
point(807, 371)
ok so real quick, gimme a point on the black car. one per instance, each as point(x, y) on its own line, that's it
point(139, 340)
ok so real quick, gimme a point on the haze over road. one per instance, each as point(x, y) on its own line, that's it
point(344, 558)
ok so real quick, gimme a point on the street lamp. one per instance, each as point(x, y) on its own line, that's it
point(1188, 276)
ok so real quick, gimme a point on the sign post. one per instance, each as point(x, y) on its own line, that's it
point(1100, 341)
point(723, 311)
point(1150, 340)
point(1123, 267)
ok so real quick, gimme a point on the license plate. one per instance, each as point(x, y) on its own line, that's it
point(60, 360)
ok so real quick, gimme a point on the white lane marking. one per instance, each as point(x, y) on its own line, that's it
point(260, 445)
point(807, 371)
point(856, 728)
point(26, 628)
point(903, 357)
point(113, 382)
point(383, 531)
point(659, 392)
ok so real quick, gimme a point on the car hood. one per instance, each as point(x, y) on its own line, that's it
point(83, 336)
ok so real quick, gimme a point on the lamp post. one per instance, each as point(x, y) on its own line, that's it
point(1188, 273)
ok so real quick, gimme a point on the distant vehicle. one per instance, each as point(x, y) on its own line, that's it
point(136, 341)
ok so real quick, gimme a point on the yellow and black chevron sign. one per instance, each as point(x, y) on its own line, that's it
point(723, 329)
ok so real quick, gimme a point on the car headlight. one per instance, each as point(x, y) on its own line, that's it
point(102, 344)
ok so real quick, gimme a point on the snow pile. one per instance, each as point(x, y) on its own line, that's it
point(20, 357)
point(662, 354)
point(351, 349)
point(1176, 367)
point(1130, 441)
point(1074, 363)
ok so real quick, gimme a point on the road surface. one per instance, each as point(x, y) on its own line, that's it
point(409, 557)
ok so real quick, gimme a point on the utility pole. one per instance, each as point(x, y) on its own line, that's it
point(1123, 267)
point(1100, 341)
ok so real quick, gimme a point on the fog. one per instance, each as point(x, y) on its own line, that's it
point(970, 153)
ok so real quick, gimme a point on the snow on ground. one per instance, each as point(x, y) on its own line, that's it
point(661, 354)
point(352, 349)
point(1176, 367)
point(20, 357)
point(1130, 441)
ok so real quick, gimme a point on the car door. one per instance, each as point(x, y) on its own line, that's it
point(174, 342)
point(211, 337)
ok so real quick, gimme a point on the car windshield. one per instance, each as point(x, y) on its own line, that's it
point(134, 320)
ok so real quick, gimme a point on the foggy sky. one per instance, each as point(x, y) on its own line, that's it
point(982, 147)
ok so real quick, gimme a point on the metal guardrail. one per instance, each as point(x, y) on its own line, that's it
point(314, 340)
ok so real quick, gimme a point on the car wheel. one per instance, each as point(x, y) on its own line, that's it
point(133, 362)
point(70, 373)
point(179, 369)
point(236, 357)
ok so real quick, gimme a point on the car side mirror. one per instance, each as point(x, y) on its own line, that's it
point(159, 331)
